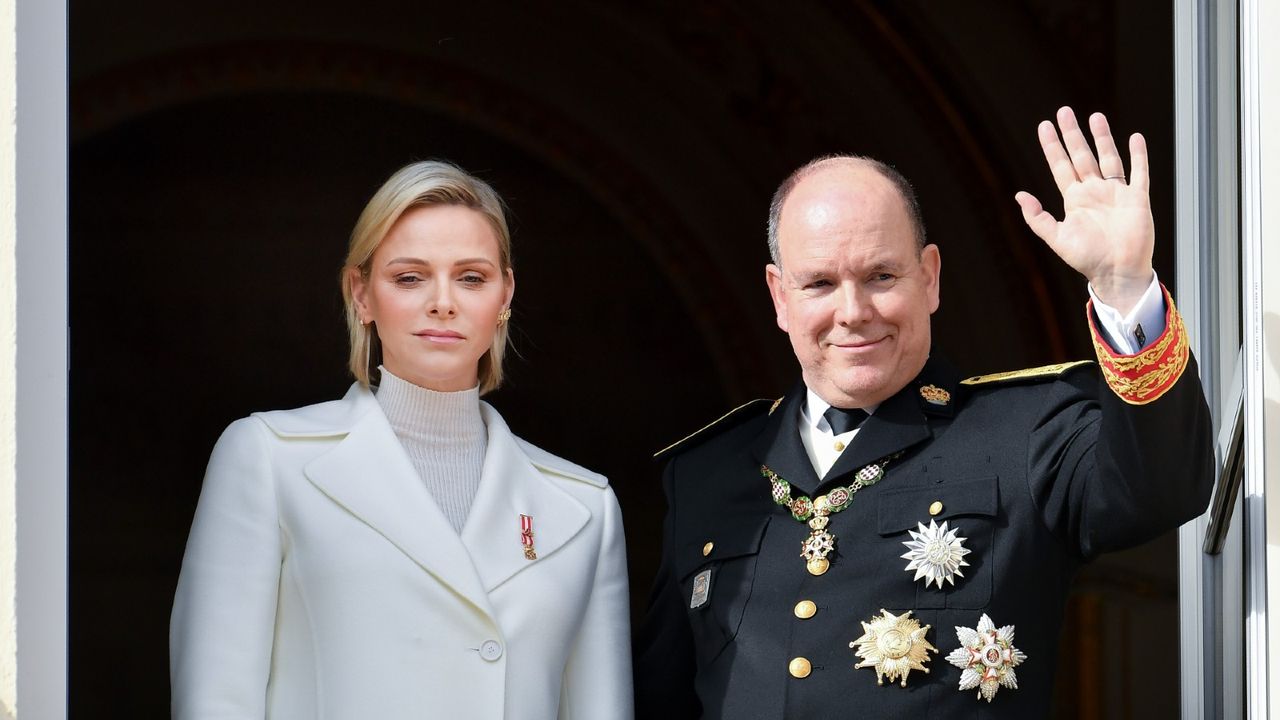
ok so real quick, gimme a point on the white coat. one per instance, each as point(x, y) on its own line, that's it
point(321, 580)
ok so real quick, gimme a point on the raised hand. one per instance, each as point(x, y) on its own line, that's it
point(1106, 233)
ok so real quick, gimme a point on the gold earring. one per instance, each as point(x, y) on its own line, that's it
point(504, 316)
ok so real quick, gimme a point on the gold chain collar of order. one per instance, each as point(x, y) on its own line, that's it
point(817, 512)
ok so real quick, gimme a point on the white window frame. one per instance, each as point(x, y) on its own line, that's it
point(1223, 597)
point(39, 59)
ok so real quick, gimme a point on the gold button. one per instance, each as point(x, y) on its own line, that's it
point(805, 609)
point(706, 549)
point(800, 668)
point(936, 507)
point(839, 446)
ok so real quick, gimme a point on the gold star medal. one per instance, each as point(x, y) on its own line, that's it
point(987, 657)
point(936, 554)
point(894, 645)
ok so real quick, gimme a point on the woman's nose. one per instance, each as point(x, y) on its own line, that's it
point(441, 301)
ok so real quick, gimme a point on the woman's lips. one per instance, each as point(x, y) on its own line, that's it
point(445, 337)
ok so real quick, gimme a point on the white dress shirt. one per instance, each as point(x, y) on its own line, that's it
point(1122, 332)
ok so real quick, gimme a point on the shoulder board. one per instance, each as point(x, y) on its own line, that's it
point(730, 419)
point(1044, 372)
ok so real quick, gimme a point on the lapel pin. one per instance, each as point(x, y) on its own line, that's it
point(935, 395)
point(526, 537)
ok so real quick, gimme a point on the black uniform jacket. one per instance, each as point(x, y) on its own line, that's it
point(1038, 474)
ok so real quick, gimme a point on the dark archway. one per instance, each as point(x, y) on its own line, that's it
point(220, 155)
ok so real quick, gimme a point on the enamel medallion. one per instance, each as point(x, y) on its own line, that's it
point(987, 657)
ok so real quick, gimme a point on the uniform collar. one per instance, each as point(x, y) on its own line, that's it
point(899, 423)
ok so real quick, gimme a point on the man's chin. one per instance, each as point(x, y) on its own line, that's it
point(869, 389)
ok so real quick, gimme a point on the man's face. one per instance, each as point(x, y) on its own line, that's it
point(852, 292)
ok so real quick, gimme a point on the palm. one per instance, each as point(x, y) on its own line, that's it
point(1106, 233)
point(1106, 227)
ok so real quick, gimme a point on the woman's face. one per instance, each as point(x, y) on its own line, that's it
point(434, 291)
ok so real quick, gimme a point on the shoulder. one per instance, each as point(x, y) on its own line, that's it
point(556, 465)
point(1029, 376)
point(326, 419)
point(541, 459)
point(734, 418)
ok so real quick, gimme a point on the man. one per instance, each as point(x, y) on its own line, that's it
point(887, 539)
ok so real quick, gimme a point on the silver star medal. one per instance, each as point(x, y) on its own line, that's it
point(987, 657)
point(936, 554)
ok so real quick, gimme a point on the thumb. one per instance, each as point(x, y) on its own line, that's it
point(1037, 218)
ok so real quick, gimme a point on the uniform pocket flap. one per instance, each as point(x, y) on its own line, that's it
point(902, 508)
point(725, 539)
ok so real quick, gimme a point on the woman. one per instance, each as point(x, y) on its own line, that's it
point(399, 553)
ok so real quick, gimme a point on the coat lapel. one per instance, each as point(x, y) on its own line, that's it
point(510, 486)
point(369, 474)
point(900, 422)
point(779, 445)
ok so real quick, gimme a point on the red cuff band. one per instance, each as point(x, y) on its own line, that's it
point(1145, 376)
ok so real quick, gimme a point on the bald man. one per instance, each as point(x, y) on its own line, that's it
point(887, 539)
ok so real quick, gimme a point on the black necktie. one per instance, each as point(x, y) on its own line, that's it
point(842, 421)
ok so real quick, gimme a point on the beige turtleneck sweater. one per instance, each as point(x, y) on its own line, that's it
point(445, 437)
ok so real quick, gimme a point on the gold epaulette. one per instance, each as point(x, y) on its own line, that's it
point(723, 422)
point(1035, 373)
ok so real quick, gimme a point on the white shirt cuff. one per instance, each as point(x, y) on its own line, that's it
point(1132, 333)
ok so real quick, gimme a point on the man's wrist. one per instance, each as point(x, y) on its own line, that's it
point(1120, 291)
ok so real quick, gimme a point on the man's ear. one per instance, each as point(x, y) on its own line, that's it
point(773, 278)
point(931, 264)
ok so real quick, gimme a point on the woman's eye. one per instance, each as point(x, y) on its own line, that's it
point(407, 280)
point(473, 279)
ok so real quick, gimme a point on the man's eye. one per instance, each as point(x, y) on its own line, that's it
point(884, 277)
point(818, 284)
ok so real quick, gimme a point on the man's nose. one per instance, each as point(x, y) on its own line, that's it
point(853, 305)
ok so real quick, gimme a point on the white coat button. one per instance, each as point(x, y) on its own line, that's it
point(490, 650)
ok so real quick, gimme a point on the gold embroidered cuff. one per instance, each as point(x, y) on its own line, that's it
point(1147, 375)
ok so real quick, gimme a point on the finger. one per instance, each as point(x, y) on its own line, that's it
point(1110, 164)
point(1064, 173)
point(1037, 218)
point(1140, 178)
point(1077, 147)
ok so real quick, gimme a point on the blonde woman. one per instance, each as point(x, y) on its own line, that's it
point(400, 553)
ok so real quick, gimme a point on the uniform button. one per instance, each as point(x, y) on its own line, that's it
point(706, 549)
point(490, 650)
point(805, 609)
point(936, 507)
point(839, 446)
point(800, 668)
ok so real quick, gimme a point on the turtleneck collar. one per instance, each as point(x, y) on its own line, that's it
point(417, 413)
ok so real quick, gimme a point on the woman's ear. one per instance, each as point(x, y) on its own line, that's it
point(360, 294)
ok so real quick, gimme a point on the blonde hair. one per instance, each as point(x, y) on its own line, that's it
point(429, 182)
